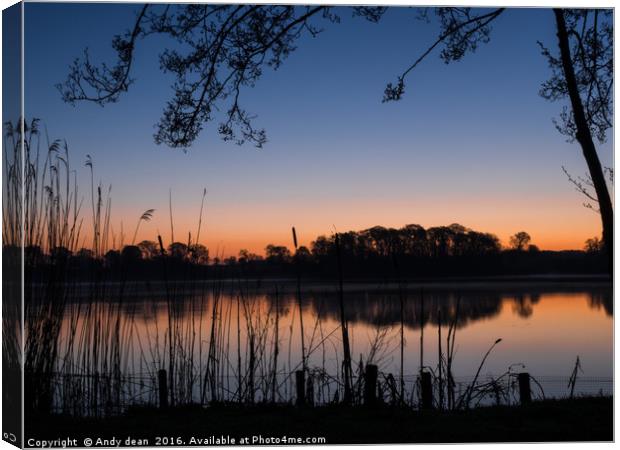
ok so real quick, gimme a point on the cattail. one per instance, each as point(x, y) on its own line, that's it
point(294, 238)
point(299, 303)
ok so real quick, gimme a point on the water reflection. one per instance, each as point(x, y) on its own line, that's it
point(381, 308)
point(544, 328)
point(220, 334)
point(603, 299)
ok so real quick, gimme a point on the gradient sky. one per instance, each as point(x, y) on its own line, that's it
point(471, 142)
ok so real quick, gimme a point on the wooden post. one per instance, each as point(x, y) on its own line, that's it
point(301, 387)
point(525, 392)
point(426, 385)
point(370, 384)
point(310, 390)
point(163, 389)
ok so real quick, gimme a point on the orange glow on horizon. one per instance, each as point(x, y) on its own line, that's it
point(553, 224)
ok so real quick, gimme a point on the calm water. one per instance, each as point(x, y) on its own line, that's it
point(543, 327)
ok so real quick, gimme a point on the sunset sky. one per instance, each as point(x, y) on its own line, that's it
point(471, 142)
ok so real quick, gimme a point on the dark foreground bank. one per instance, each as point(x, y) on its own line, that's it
point(584, 419)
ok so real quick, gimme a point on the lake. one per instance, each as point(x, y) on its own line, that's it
point(543, 328)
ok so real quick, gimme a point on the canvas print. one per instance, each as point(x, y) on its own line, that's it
point(305, 224)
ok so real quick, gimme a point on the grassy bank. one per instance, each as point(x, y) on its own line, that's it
point(584, 419)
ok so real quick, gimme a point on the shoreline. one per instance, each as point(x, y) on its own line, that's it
point(413, 281)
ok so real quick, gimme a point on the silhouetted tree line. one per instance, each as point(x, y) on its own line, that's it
point(144, 261)
point(378, 253)
point(454, 250)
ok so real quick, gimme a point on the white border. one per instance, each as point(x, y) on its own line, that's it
point(482, 3)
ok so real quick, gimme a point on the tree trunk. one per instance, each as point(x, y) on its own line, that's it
point(584, 137)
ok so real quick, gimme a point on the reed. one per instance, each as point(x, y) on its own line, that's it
point(471, 387)
point(276, 348)
point(346, 363)
point(299, 303)
point(145, 217)
point(573, 377)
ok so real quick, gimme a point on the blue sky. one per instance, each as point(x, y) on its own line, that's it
point(471, 142)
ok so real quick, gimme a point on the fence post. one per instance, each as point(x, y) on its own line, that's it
point(310, 390)
point(370, 384)
point(525, 392)
point(163, 388)
point(426, 386)
point(301, 387)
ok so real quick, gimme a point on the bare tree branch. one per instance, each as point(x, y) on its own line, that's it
point(461, 32)
point(223, 48)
